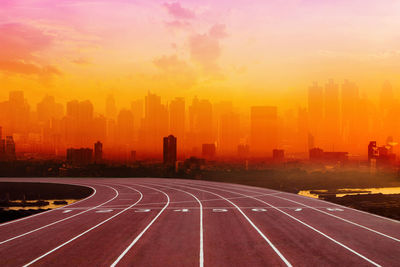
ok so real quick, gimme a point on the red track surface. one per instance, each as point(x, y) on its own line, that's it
point(164, 222)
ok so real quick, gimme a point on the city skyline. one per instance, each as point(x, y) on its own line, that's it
point(336, 118)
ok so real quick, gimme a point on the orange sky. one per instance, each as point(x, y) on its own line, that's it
point(263, 52)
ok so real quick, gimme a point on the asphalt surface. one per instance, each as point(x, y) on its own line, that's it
point(168, 222)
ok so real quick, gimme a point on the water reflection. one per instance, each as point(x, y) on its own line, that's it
point(350, 191)
point(51, 205)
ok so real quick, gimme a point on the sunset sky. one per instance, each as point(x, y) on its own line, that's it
point(250, 52)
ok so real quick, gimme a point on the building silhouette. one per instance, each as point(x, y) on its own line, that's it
point(98, 152)
point(319, 155)
point(169, 150)
point(263, 130)
point(208, 151)
point(79, 157)
point(278, 154)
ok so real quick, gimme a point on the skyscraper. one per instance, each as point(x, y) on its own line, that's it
point(155, 123)
point(98, 152)
point(228, 134)
point(169, 150)
point(200, 122)
point(350, 99)
point(315, 111)
point(263, 130)
point(332, 115)
point(177, 118)
point(111, 108)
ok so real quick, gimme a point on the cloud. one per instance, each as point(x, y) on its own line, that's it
point(28, 68)
point(178, 12)
point(205, 49)
point(178, 25)
point(175, 72)
point(81, 61)
point(20, 46)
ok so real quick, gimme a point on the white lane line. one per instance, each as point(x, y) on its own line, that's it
point(67, 218)
point(298, 196)
point(201, 253)
point(85, 232)
point(41, 213)
point(103, 211)
point(248, 219)
point(303, 223)
point(332, 215)
point(144, 230)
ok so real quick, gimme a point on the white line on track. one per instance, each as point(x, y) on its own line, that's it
point(308, 198)
point(248, 219)
point(300, 221)
point(201, 253)
point(85, 232)
point(41, 213)
point(329, 214)
point(144, 230)
point(64, 219)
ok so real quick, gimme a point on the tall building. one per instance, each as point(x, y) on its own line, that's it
point(79, 123)
point(111, 108)
point(200, 123)
point(228, 134)
point(125, 128)
point(10, 148)
point(208, 151)
point(263, 130)
point(169, 150)
point(98, 152)
point(81, 156)
point(155, 124)
point(350, 99)
point(332, 115)
point(177, 118)
point(315, 111)
point(278, 154)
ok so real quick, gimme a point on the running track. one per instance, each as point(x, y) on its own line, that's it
point(170, 222)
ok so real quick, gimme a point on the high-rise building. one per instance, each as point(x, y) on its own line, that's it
point(111, 108)
point(332, 115)
point(81, 156)
point(372, 151)
point(125, 129)
point(177, 118)
point(98, 152)
point(10, 147)
point(79, 123)
point(169, 150)
point(155, 124)
point(208, 151)
point(278, 154)
point(350, 99)
point(228, 134)
point(315, 111)
point(200, 122)
point(263, 130)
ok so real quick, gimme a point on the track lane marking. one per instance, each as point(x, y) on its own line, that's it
point(61, 220)
point(250, 221)
point(300, 196)
point(303, 223)
point(332, 215)
point(144, 230)
point(201, 253)
point(85, 232)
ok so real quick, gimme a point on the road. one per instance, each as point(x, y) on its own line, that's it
point(173, 222)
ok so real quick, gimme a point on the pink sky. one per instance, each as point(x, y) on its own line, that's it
point(251, 50)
